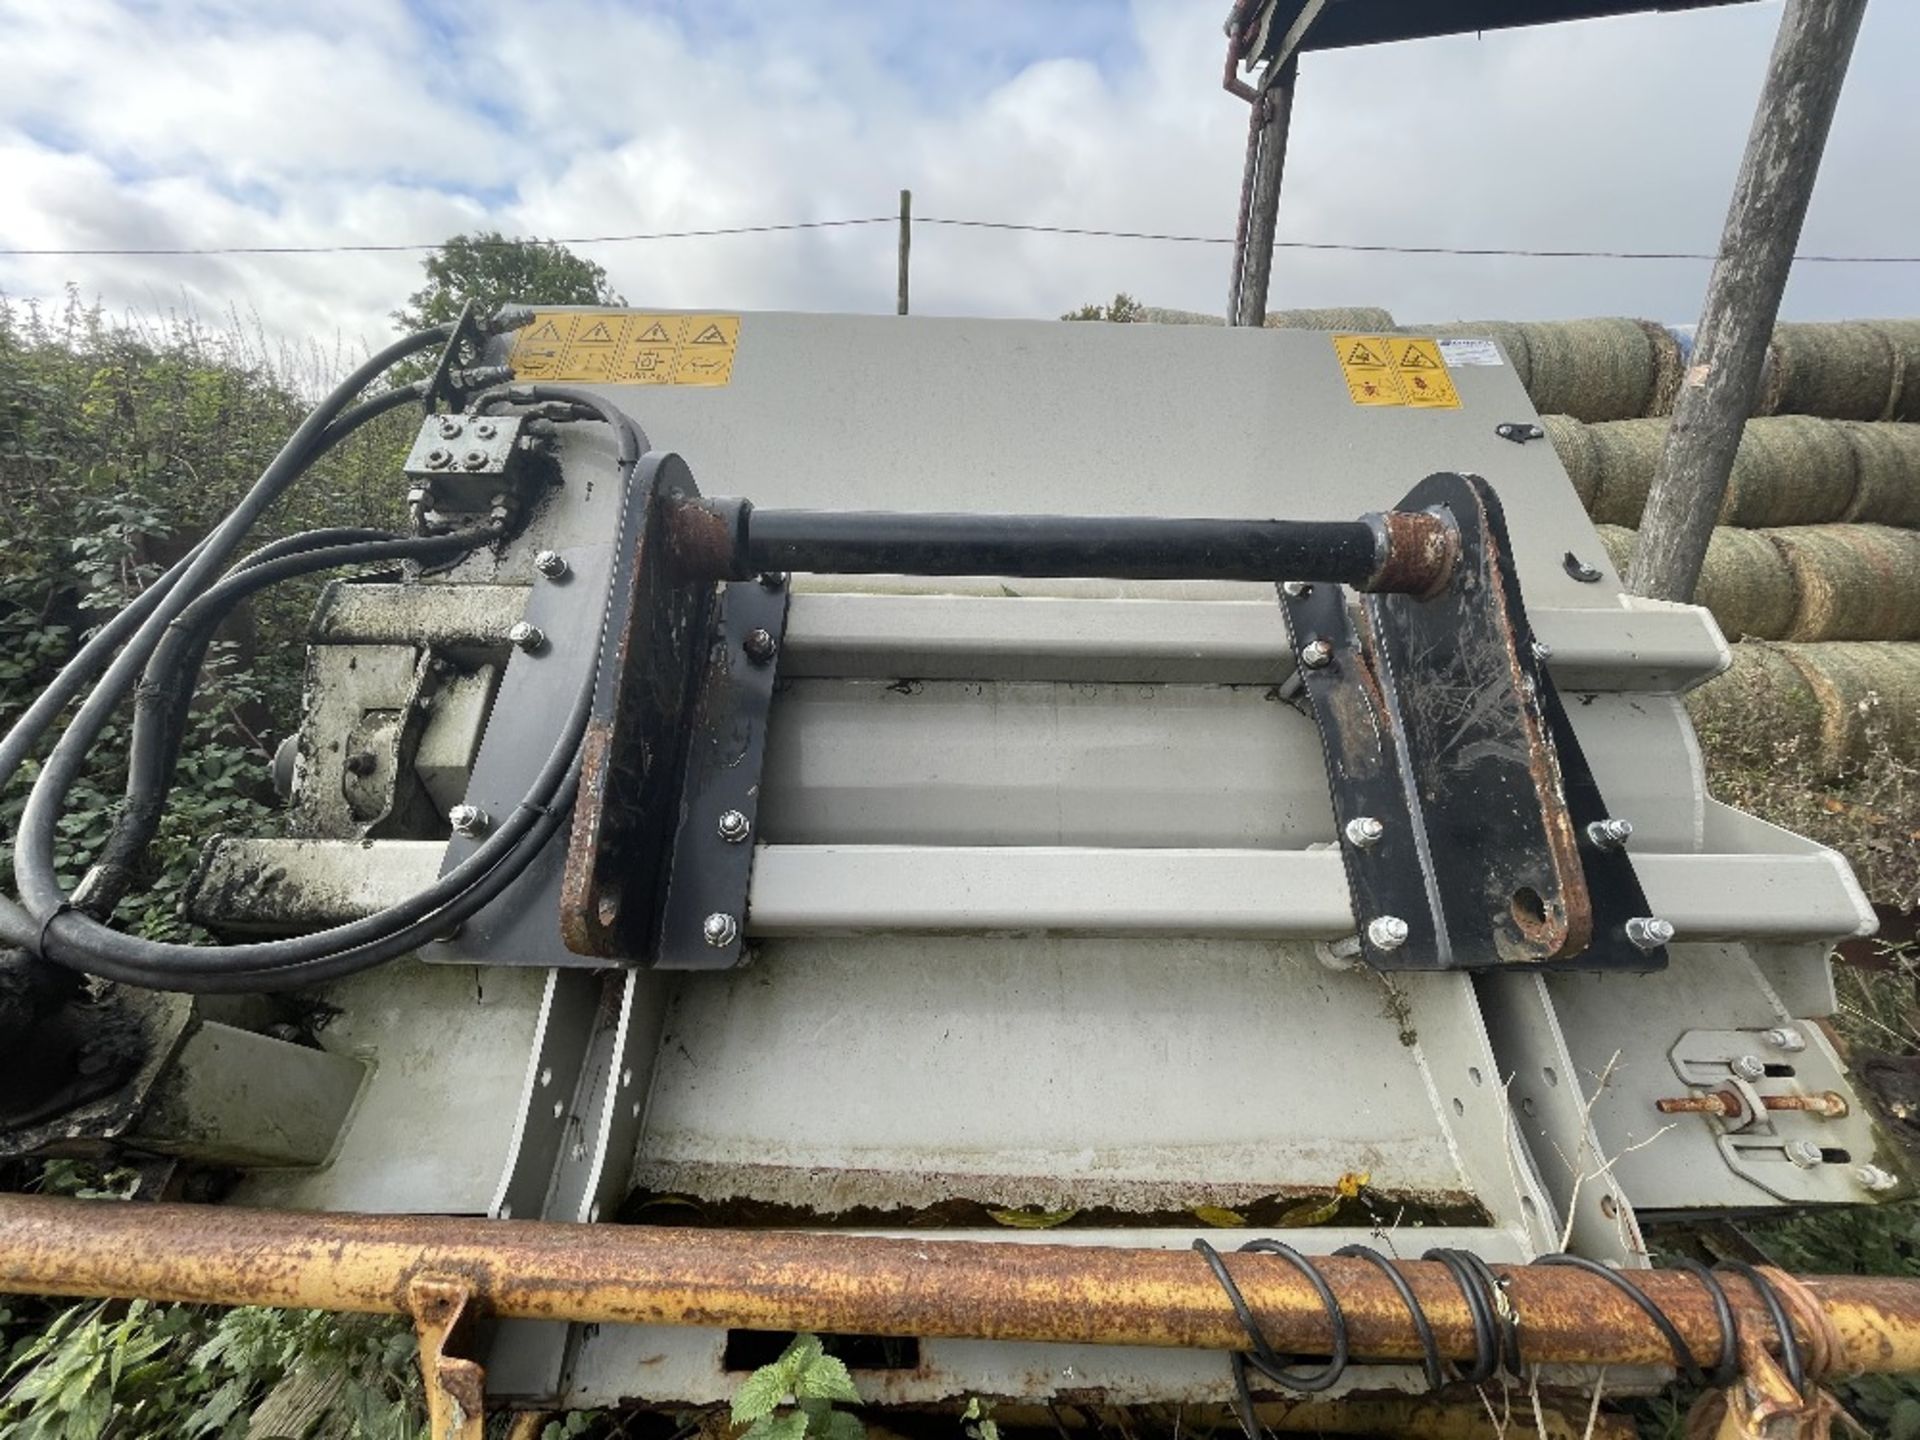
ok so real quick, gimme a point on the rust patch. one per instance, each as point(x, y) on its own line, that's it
point(1421, 551)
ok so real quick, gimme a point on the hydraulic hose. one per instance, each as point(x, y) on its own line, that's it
point(166, 631)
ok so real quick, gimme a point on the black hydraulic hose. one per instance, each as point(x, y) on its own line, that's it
point(164, 697)
point(17, 927)
point(75, 940)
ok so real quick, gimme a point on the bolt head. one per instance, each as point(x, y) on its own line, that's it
point(474, 460)
point(1610, 834)
point(759, 646)
point(439, 458)
point(550, 563)
point(1648, 932)
point(1542, 650)
point(772, 580)
point(530, 638)
point(1748, 1067)
point(1785, 1038)
point(1387, 932)
point(1803, 1153)
point(468, 820)
point(1315, 654)
point(1295, 589)
point(720, 930)
point(1872, 1177)
point(1364, 832)
point(734, 826)
point(450, 427)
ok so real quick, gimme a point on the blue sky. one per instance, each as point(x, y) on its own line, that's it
point(209, 122)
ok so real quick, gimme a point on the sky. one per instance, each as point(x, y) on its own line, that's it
point(200, 123)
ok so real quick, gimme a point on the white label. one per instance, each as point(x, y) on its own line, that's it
point(1469, 352)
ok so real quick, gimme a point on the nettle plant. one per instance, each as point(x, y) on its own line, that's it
point(809, 1380)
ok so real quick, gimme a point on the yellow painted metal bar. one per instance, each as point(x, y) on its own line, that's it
point(794, 1280)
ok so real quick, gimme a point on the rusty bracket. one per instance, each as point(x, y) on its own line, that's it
point(1466, 809)
point(444, 1313)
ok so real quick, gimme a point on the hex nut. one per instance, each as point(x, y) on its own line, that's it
point(734, 826)
point(1610, 834)
point(550, 563)
point(530, 638)
point(1872, 1177)
point(1295, 589)
point(1387, 932)
point(1315, 654)
point(1363, 832)
point(1748, 1067)
point(1804, 1153)
point(720, 930)
point(1542, 650)
point(772, 580)
point(467, 820)
point(1648, 932)
point(1786, 1038)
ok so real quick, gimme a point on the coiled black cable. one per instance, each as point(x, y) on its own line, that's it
point(1495, 1322)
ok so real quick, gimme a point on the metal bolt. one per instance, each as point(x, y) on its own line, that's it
point(1387, 932)
point(772, 580)
point(1542, 650)
point(361, 762)
point(474, 459)
point(1872, 1177)
point(1792, 1041)
point(450, 427)
point(1610, 834)
point(486, 430)
point(1364, 832)
point(1295, 589)
point(529, 638)
point(1804, 1153)
point(1648, 932)
point(1725, 1103)
point(1315, 654)
point(439, 458)
point(1748, 1067)
point(550, 563)
point(734, 826)
point(468, 820)
point(759, 646)
point(720, 930)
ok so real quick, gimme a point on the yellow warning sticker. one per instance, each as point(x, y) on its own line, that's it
point(1395, 370)
point(617, 347)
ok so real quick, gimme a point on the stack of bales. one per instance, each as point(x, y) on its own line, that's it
point(1815, 563)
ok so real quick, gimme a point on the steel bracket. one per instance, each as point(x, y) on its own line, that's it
point(660, 855)
point(1460, 792)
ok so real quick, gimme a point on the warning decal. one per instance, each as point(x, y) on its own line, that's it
point(1395, 370)
point(624, 348)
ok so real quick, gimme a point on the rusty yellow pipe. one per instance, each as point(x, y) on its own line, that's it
point(795, 1280)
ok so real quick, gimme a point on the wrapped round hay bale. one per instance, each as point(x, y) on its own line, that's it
point(1624, 455)
point(1367, 318)
point(1160, 315)
point(1903, 336)
point(1745, 581)
point(1844, 370)
point(1868, 695)
point(1668, 366)
point(1511, 339)
point(1762, 697)
point(1790, 470)
point(1856, 582)
point(1887, 471)
point(1601, 369)
point(1574, 448)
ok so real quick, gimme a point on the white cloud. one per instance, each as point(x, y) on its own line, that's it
point(370, 122)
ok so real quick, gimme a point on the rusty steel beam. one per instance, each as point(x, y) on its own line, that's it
point(790, 1280)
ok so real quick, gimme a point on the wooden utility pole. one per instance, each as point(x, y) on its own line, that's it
point(906, 243)
point(1770, 197)
point(1267, 160)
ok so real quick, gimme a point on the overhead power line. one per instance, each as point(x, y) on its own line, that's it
point(1354, 248)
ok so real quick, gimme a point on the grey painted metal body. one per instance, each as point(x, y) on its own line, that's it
point(1044, 873)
